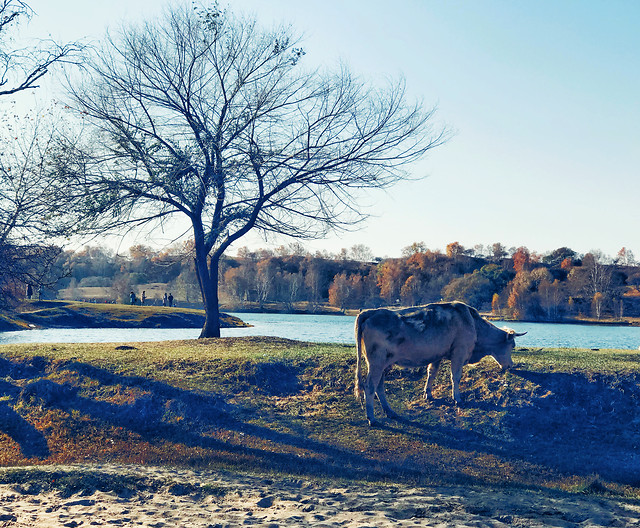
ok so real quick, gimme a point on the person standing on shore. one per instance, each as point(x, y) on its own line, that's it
point(164, 299)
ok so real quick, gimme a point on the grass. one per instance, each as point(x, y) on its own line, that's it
point(565, 418)
point(89, 315)
point(11, 322)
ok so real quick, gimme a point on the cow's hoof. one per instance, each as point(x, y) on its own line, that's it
point(373, 423)
point(393, 415)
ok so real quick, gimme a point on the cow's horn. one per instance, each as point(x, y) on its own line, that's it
point(518, 334)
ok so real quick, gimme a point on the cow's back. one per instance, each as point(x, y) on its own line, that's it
point(440, 319)
point(432, 332)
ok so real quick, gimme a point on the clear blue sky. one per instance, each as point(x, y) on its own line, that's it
point(544, 97)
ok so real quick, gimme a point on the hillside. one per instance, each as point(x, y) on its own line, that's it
point(72, 314)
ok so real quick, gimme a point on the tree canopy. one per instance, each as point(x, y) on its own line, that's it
point(210, 117)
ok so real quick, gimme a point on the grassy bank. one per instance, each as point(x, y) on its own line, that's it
point(74, 314)
point(567, 419)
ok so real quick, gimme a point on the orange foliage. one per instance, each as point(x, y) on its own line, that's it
point(521, 259)
point(566, 264)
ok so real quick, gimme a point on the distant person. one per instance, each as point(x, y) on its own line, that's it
point(170, 298)
point(164, 299)
point(132, 298)
point(29, 291)
point(144, 297)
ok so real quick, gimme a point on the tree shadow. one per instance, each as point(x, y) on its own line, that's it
point(201, 414)
point(570, 424)
point(32, 442)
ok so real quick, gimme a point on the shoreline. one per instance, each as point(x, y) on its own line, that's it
point(76, 314)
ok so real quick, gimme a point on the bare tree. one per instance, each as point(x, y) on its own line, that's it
point(23, 68)
point(27, 217)
point(599, 273)
point(206, 115)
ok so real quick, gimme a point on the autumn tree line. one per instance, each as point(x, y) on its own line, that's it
point(510, 282)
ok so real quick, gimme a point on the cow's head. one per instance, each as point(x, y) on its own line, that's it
point(502, 352)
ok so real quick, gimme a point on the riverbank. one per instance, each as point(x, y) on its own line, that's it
point(326, 309)
point(585, 321)
point(75, 314)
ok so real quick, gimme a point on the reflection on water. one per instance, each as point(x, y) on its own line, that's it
point(329, 329)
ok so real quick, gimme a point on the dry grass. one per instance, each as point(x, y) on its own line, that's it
point(566, 419)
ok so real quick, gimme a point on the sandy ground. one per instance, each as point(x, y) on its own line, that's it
point(251, 501)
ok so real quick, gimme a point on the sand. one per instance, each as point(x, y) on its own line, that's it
point(241, 500)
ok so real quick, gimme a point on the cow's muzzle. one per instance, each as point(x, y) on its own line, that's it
point(506, 366)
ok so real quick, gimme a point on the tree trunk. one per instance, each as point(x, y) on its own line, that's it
point(208, 277)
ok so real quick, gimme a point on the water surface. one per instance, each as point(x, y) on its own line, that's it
point(329, 329)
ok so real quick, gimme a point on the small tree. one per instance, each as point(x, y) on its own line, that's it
point(455, 250)
point(410, 291)
point(625, 257)
point(292, 288)
point(498, 251)
point(416, 247)
point(340, 291)
point(597, 304)
point(495, 304)
point(206, 116)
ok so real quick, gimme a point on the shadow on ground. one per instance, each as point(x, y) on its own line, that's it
point(555, 424)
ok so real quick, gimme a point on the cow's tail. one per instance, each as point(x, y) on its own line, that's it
point(359, 380)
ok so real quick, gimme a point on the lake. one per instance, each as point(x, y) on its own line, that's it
point(331, 329)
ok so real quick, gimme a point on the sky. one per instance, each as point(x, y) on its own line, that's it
point(543, 98)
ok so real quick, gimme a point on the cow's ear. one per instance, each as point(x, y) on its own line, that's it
point(511, 334)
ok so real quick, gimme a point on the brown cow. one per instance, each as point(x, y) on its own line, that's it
point(425, 335)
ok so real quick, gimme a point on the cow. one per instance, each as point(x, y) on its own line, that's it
point(420, 336)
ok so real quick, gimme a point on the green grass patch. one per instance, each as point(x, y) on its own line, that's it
point(566, 419)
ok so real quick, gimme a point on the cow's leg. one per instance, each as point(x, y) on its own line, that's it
point(383, 400)
point(456, 375)
point(432, 372)
point(371, 383)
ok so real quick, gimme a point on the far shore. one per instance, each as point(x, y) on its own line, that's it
point(77, 314)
